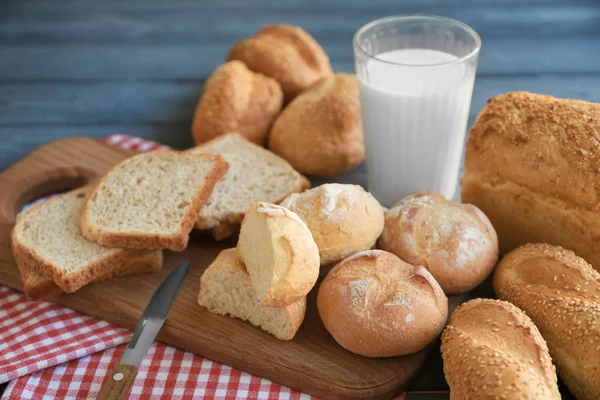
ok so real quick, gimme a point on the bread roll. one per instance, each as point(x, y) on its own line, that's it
point(320, 132)
point(492, 350)
point(280, 254)
point(376, 305)
point(343, 219)
point(455, 242)
point(236, 99)
point(225, 288)
point(532, 165)
point(285, 53)
point(561, 294)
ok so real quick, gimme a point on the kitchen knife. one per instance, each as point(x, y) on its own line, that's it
point(121, 378)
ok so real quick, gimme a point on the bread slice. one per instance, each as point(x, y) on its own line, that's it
point(255, 174)
point(225, 288)
point(280, 254)
point(151, 201)
point(37, 285)
point(47, 239)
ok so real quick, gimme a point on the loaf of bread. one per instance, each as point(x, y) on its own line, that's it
point(320, 132)
point(455, 242)
point(280, 254)
point(561, 294)
point(532, 165)
point(376, 305)
point(492, 350)
point(49, 249)
point(236, 99)
point(151, 201)
point(225, 288)
point(255, 174)
point(285, 53)
point(343, 219)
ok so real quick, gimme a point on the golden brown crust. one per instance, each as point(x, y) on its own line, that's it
point(236, 99)
point(455, 242)
point(175, 242)
point(532, 164)
point(285, 53)
point(561, 294)
point(376, 305)
point(320, 132)
point(492, 350)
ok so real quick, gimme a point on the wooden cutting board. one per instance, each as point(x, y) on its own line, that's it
point(312, 362)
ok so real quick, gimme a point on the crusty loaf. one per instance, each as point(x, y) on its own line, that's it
point(320, 132)
point(561, 294)
point(376, 305)
point(151, 201)
point(225, 288)
point(279, 253)
point(37, 285)
point(532, 165)
point(343, 219)
point(255, 174)
point(47, 239)
point(455, 242)
point(236, 99)
point(492, 350)
point(285, 53)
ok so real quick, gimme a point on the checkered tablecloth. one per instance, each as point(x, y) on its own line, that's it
point(51, 352)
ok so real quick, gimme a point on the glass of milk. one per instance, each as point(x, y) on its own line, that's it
point(416, 77)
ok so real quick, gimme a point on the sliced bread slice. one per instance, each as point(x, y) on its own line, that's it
point(280, 254)
point(37, 285)
point(46, 238)
point(225, 289)
point(151, 201)
point(255, 174)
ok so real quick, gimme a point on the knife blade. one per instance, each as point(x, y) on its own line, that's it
point(122, 376)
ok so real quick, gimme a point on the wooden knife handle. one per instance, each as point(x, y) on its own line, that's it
point(118, 383)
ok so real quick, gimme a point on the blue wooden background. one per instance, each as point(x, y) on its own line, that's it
point(94, 67)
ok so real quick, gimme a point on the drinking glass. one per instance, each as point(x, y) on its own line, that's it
point(416, 76)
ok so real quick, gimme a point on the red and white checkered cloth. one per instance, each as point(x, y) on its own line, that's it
point(51, 352)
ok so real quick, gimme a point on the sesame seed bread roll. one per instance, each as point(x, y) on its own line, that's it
point(492, 350)
point(343, 219)
point(376, 305)
point(561, 293)
point(280, 254)
point(455, 242)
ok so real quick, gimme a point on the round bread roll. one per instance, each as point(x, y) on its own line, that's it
point(280, 254)
point(376, 305)
point(343, 219)
point(492, 350)
point(320, 132)
point(285, 53)
point(455, 242)
point(236, 99)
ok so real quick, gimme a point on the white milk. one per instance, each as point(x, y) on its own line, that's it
point(414, 117)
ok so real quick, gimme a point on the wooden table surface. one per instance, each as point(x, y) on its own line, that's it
point(73, 67)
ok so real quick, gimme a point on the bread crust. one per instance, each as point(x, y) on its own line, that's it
point(492, 350)
point(376, 305)
point(236, 99)
point(343, 219)
point(320, 132)
point(148, 241)
point(532, 164)
point(561, 294)
point(293, 255)
point(285, 53)
point(230, 258)
point(455, 242)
